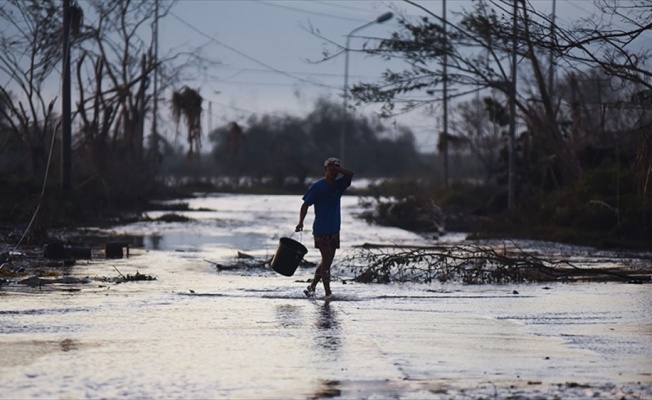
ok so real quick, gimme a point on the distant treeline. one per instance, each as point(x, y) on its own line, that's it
point(283, 146)
point(285, 151)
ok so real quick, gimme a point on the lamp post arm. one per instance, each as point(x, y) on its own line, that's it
point(357, 29)
point(382, 18)
point(346, 86)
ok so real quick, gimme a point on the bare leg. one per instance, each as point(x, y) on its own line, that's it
point(316, 278)
point(323, 271)
point(327, 256)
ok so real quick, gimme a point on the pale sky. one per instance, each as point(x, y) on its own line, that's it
point(268, 55)
point(264, 48)
point(265, 55)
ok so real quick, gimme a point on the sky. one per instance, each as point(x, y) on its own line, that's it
point(268, 56)
point(267, 59)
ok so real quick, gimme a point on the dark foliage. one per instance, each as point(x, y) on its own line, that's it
point(404, 204)
point(288, 150)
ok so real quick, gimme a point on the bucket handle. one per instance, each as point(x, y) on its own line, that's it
point(300, 237)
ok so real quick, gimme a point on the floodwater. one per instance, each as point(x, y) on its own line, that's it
point(199, 332)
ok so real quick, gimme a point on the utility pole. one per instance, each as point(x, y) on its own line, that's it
point(444, 139)
point(154, 140)
point(512, 113)
point(66, 128)
point(209, 120)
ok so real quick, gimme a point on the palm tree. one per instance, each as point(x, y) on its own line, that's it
point(186, 103)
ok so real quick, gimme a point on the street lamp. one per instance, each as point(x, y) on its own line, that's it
point(382, 18)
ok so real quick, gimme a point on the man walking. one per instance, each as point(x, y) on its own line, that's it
point(325, 195)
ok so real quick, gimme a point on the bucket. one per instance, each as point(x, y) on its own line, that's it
point(288, 256)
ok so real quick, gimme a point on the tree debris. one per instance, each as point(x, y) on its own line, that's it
point(132, 278)
point(476, 264)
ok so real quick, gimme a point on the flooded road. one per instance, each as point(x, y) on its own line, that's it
point(197, 332)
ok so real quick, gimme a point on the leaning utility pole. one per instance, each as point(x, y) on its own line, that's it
point(444, 138)
point(512, 114)
point(154, 139)
point(551, 66)
point(66, 124)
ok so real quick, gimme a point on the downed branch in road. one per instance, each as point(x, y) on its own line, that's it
point(132, 278)
point(244, 261)
point(474, 264)
point(36, 281)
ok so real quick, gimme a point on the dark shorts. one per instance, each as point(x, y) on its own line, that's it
point(330, 241)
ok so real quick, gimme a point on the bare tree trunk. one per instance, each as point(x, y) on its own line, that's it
point(565, 153)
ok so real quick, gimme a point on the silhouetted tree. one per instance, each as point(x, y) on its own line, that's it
point(187, 105)
point(478, 126)
point(112, 70)
point(30, 52)
point(476, 48)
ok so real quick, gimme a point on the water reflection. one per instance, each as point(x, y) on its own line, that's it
point(328, 345)
point(288, 316)
point(155, 242)
point(327, 335)
point(327, 388)
point(193, 237)
point(68, 345)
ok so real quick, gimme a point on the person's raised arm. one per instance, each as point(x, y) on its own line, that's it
point(347, 173)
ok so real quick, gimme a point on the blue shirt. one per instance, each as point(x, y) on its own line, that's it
point(326, 199)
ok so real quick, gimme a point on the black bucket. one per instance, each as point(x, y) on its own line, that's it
point(288, 256)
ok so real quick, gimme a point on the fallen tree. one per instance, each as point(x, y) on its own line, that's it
point(483, 264)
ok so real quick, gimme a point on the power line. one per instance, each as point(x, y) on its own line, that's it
point(300, 10)
point(257, 83)
point(234, 108)
point(269, 67)
point(340, 5)
point(577, 7)
point(324, 74)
